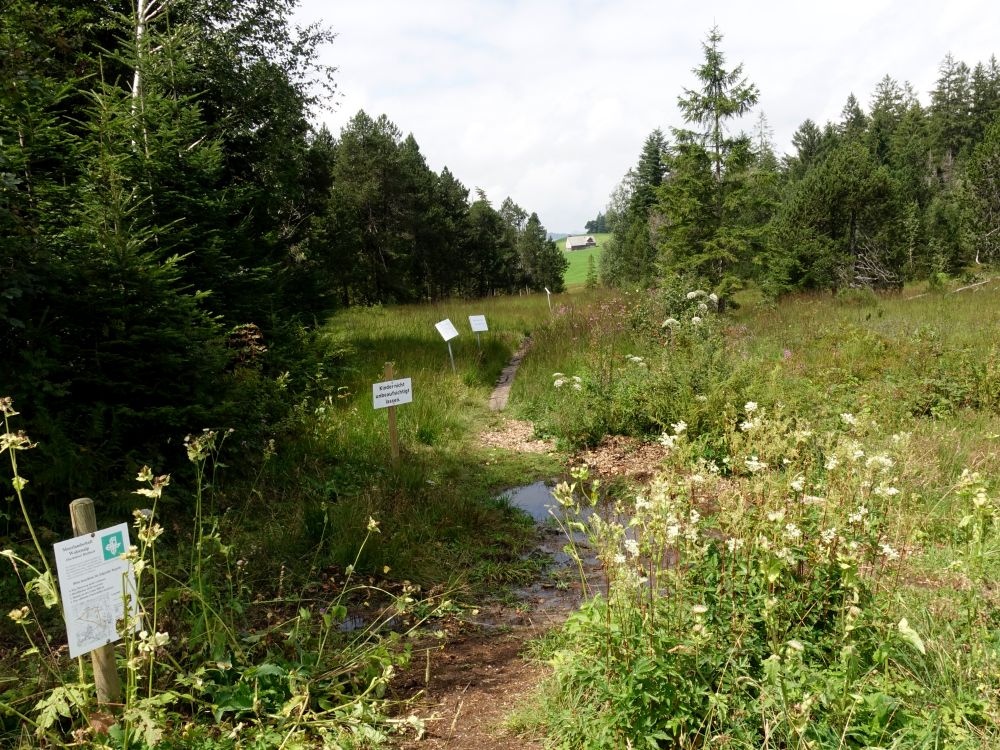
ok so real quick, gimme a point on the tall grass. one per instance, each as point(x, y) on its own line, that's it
point(813, 569)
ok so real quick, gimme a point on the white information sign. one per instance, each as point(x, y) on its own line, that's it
point(94, 582)
point(478, 323)
point(447, 329)
point(392, 393)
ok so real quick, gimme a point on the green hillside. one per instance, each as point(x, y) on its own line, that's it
point(576, 274)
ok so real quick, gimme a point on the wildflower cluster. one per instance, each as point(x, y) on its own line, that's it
point(573, 381)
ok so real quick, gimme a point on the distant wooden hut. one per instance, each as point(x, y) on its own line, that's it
point(580, 242)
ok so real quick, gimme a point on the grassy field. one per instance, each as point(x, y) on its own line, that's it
point(576, 274)
point(815, 568)
point(831, 489)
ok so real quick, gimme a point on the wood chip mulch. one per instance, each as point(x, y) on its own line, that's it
point(620, 456)
point(516, 435)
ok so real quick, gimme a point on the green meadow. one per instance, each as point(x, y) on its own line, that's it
point(576, 273)
point(814, 567)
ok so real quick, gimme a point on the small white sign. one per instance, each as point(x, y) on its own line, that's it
point(478, 323)
point(392, 393)
point(447, 329)
point(95, 583)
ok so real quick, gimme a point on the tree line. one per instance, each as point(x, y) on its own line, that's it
point(900, 190)
point(172, 228)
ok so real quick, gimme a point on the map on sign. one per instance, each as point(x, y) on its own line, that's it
point(96, 586)
point(447, 329)
point(478, 323)
point(392, 393)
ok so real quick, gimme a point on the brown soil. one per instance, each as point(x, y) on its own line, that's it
point(473, 686)
point(465, 688)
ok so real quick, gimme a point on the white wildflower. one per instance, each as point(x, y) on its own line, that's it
point(848, 419)
point(880, 461)
point(692, 295)
point(679, 427)
point(831, 463)
point(750, 407)
point(798, 484)
point(701, 398)
point(559, 382)
point(754, 464)
point(714, 297)
point(668, 441)
point(776, 516)
point(577, 387)
point(699, 609)
point(671, 323)
point(748, 425)
point(632, 547)
point(733, 544)
point(792, 532)
point(890, 553)
point(859, 515)
point(695, 320)
point(619, 559)
point(702, 307)
point(827, 536)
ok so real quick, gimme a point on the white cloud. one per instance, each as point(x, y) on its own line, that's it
point(548, 101)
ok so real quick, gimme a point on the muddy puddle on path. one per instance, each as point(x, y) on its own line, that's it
point(559, 591)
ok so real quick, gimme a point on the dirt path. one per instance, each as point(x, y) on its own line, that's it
point(501, 392)
point(465, 689)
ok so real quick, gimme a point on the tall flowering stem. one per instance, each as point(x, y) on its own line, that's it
point(12, 443)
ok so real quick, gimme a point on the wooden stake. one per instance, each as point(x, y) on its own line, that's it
point(106, 680)
point(393, 432)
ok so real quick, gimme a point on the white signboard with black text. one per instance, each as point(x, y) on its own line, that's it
point(392, 393)
point(95, 582)
point(478, 323)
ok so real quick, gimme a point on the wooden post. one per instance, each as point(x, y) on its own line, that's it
point(106, 680)
point(393, 432)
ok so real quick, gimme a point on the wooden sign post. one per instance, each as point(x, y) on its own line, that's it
point(106, 680)
point(388, 395)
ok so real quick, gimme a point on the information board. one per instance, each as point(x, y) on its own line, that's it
point(478, 323)
point(392, 393)
point(95, 583)
point(447, 329)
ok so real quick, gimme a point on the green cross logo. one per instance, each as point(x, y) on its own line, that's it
point(113, 545)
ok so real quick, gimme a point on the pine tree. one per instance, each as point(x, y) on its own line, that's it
point(591, 280)
point(708, 170)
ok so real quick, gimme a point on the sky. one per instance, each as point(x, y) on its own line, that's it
point(549, 101)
